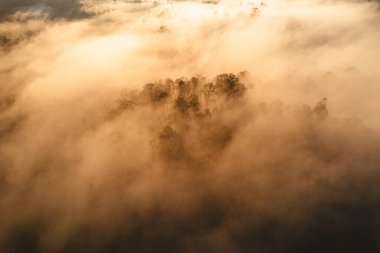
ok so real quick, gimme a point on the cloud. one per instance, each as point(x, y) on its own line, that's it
point(190, 127)
point(55, 8)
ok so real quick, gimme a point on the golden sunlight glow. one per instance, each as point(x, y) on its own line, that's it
point(177, 126)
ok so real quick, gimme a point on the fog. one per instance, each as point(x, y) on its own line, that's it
point(189, 126)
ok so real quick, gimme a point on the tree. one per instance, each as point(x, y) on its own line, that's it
point(320, 109)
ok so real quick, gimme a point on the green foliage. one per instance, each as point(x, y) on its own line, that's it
point(198, 117)
point(180, 104)
point(156, 93)
point(229, 85)
point(188, 105)
point(194, 123)
point(187, 97)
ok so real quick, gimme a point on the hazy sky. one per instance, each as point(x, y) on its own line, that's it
point(120, 133)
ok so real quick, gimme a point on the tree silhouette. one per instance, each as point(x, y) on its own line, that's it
point(320, 109)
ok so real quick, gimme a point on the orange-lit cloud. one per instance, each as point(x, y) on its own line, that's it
point(121, 132)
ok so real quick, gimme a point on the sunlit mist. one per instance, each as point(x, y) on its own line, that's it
point(189, 126)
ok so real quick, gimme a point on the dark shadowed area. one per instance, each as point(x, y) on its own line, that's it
point(54, 8)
